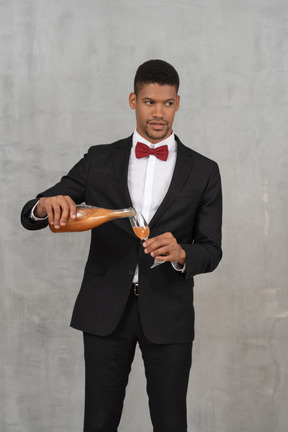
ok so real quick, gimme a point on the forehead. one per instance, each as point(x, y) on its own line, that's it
point(157, 91)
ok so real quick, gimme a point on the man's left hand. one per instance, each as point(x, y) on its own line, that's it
point(165, 248)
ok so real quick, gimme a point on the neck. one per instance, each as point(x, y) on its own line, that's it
point(151, 141)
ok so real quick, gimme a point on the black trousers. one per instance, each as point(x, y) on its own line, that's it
point(108, 363)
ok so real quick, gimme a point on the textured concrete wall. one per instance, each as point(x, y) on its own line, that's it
point(66, 70)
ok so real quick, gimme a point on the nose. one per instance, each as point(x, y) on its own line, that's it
point(157, 112)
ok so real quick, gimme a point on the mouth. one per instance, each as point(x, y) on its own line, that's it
point(157, 125)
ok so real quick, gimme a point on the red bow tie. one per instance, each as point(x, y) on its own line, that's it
point(142, 150)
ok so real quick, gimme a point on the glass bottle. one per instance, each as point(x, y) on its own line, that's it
point(89, 217)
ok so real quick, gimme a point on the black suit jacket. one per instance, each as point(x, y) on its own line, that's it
point(191, 210)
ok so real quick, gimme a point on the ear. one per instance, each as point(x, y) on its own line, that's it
point(177, 103)
point(132, 100)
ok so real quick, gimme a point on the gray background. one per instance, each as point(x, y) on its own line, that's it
point(67, 68)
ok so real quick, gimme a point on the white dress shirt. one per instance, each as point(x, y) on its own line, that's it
point(149, 179)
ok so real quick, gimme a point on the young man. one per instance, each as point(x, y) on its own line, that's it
point(122, 301)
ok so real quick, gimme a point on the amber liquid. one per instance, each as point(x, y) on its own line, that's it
point(142, 232)
point(88, 218)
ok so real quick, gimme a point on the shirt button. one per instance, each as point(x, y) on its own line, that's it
point(131, 272)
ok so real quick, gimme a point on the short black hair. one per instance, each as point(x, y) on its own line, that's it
point(156, 71)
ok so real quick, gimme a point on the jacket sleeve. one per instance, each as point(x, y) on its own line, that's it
point(73, 184)
point(205, 253)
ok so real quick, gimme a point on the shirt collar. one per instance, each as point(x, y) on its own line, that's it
point(169, 141)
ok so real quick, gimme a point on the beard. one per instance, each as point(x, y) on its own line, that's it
point(157, 135)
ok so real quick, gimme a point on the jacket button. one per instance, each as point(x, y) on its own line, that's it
point(131, 272)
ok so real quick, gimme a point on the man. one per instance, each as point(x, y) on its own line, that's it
point(122, 301)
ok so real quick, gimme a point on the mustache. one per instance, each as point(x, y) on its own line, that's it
point(157, 119)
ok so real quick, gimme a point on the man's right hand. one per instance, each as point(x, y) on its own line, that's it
point(58, 209)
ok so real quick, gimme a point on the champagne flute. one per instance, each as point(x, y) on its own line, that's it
point(142, 231)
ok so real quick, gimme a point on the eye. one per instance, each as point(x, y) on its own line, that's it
point(169, 103)
point(148, 102)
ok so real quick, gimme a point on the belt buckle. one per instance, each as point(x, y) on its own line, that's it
point(135, 289)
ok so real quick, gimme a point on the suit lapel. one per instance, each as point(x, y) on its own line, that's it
point(121, 156)
point(183, 166)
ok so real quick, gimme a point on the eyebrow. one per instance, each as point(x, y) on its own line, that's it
point(167, 100)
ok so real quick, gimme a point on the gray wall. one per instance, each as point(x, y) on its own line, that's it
point(66, 71)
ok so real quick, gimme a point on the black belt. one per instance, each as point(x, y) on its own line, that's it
point(134, 289)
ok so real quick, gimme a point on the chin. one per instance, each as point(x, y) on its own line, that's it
point(157, 136)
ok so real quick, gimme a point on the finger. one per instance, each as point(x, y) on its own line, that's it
point(155, 243)
point(50, 212)
point(64, 206)
point(162, 238)
point(57, 212)
point(159, 251)
point(162, 258)
point(72, 206)
point(65, 212)
point(151, 248)
point(160, 243)
point(149, 242)
point(170, 258)
point(169, 250)
point(177, 253)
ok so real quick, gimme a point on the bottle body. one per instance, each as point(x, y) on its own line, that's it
point(89, 217)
